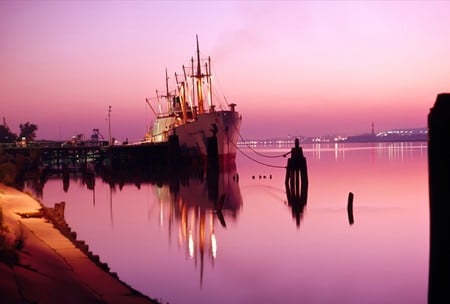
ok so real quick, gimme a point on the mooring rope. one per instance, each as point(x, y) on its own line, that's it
point(242, 138)
point(245, 154)
point(255, 160)
point(240, 135)
point(259, 153)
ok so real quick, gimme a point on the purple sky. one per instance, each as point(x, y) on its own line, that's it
point(294, 67)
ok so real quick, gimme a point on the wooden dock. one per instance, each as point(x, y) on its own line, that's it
point(78, 155)
point(164, 160)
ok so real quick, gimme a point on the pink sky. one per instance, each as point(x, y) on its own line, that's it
point(308, 68)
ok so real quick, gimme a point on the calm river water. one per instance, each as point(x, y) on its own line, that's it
point(238, 239)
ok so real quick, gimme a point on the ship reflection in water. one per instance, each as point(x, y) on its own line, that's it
point(198, 205)
point(193, 200)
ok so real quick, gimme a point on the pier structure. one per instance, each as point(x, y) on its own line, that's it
point(59, 157)
point(153, 156)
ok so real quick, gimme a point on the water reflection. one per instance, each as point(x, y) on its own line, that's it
point(393, 150)
point(178, 238)
point(36, 179)
point(193, 201)
point(195, 205)
point(297, 201)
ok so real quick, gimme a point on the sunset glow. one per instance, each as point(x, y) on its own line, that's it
point(308, 68)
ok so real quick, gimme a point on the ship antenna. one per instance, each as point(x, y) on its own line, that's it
point(208, 72)
point(167, 85)
point(199, 71)
point(199, 82)
point(167, 92)
point(193, 81)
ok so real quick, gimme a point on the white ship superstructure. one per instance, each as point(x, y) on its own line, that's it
point(192, 115)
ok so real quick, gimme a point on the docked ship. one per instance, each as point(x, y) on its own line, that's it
point(191, 114)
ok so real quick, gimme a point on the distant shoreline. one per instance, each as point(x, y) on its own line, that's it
point(353, 140)
point(397, 135)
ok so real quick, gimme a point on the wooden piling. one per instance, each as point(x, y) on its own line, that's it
point(296, 175)
point(351, 220)
point(439, 195)
point(296, 169)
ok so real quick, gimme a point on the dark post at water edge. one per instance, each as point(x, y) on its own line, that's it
point(439, 191)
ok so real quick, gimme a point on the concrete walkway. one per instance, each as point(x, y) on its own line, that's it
point(51, 269)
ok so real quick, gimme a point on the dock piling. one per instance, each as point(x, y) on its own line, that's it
point(351, 220)
point(296, 174)
point(439, 195)
point(296, 169)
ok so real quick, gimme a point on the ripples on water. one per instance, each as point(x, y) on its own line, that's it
point(235, 238)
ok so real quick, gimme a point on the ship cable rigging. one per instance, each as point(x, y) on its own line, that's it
point(240, 135)
point(259, 153)
point(255, 160)
point(249, 157)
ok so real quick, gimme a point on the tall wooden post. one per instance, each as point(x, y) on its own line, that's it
point(296, 173)
point(439, 194)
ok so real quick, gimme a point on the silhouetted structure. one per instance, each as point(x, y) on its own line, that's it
point(351, 220)
point(296, 167)
point(296, 172)
point(439, 177)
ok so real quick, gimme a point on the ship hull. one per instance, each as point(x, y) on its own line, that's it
point(193, 137)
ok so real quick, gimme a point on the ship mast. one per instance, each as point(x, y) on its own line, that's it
point(182, 94)
point(199, 77)
point(194, 107)
point(187, 93)
point(208, 71)
point(167, 93)
point(159, 102)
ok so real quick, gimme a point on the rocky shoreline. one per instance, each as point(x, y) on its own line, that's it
point(41, 261)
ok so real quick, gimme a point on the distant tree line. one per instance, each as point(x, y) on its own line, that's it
point(27, 131)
